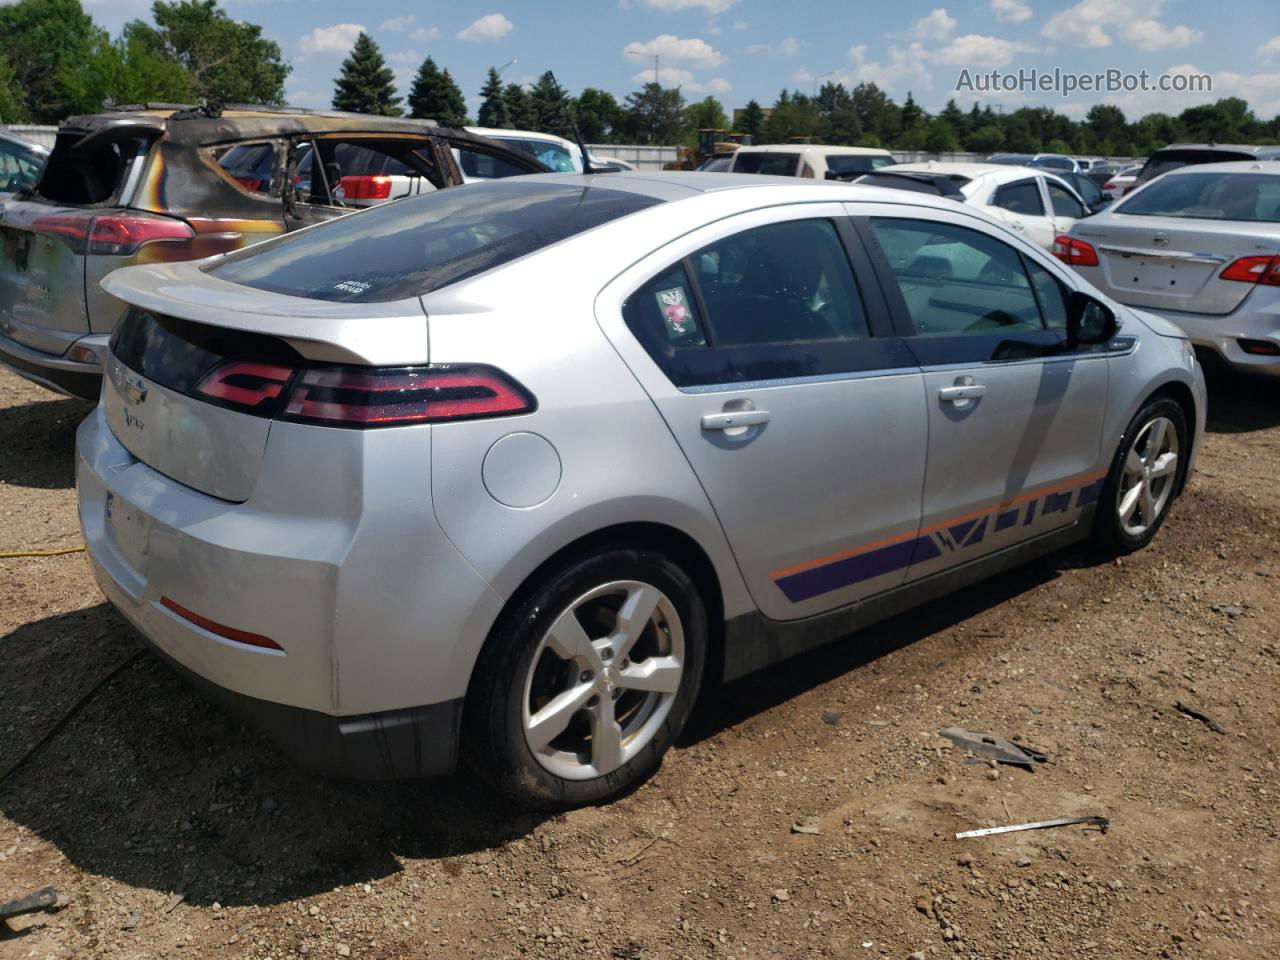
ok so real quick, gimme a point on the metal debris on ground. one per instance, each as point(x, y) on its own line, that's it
point(1195, 714)
point(995, 748)
point(1101, 822)
point(43, 899)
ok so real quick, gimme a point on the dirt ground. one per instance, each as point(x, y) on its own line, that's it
point(170, 830)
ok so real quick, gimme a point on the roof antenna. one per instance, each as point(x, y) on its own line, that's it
point(587, 168)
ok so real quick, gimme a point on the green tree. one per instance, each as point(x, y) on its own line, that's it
point(940, 136)
point(41, 40)
point(366, 84)
point(1229, 120)
point(793, 115)
point(655, 115)
point(520, 107)
point(707, 113)
point(988, 138)
point(13, 107)
point(1104, 122)
point(877, 113)
point(838, 121)
point(494, 111)
point(599, 116)
point(434, 96)
point(125, 70)
point(912, 115)
point(549, 104)
point(751, 120)
point(229, 61)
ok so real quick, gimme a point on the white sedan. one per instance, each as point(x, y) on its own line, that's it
point(1029, 200)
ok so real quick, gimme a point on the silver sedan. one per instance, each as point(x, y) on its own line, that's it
point(506, 474)
point(1199, 246)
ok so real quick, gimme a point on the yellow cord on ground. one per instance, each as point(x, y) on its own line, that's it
point(41, 553)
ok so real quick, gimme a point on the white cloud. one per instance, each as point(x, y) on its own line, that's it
point(425, 33)
point(1011, 11)
point(397, 24)
point(404, 56)
point(741, 25)
point(488, 29)
point(1270, 49)
point(314, 99)
point(1153, 35)
point(787, 48)
point(1086, 24)
point(936, 26)
point(976, 50)
point(676, 77)
point(339, 38)
point(671, 6)
point(691, 52)
point(904, 68)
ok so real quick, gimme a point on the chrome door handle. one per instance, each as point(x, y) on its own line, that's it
point(970, 391)
point(739, 418)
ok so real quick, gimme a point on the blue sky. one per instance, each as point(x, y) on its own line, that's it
point(740, 49)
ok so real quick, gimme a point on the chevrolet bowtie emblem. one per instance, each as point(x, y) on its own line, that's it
point(135, 390)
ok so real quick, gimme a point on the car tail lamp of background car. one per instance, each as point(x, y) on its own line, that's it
point(1260, 270)
point(365, 397)
point(1075, 252)
point(366, 188)
point(112, 234)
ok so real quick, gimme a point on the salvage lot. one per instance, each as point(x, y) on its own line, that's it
point(170, 830)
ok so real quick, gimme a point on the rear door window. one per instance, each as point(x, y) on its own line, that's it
point(1021, 197)
point(773, 302)
point(252, 166)
point(94, 168)
point(476, 165)
point(1064, 204)
point(857, 163)
point(423, 243)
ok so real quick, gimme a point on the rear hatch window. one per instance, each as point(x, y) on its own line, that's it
point(1162, 161)
point(863, 163)
point(414, 246)
point(94, 168)
point(1249, 197)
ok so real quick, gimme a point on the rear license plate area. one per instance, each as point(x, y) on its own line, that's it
point(129, 532)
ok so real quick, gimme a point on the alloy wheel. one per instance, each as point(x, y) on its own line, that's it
point(1150, 469)
point(603, 679)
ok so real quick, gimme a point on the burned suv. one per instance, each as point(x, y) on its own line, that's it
point(164, 183)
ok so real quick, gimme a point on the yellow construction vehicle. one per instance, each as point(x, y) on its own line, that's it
point(712, 142)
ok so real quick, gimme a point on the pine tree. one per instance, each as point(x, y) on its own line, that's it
point(519, 107)
point(366, 84)
point(549, 105)
point(494, 112)
point(751, 120)
point(434, 96)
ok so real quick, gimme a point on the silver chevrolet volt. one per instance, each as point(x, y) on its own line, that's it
point(505, 474)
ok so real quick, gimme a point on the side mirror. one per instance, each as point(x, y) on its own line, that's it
point(1089, 321)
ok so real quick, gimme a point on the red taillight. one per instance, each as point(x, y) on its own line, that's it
point(113, 234)
point(372, 397)
point(247, 384)
point(1263, 270)
point(1109, 185)
point(122, 235)
point(366, 188)
point(1075, 252)
point(71, 228)
point(219, 629)
point(1260, 348)
point(250, 183)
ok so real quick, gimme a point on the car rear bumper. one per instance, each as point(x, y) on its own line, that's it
point(71, 377)
point(361, 684)
point(1257, 320)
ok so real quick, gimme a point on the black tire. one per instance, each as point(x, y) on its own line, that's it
point(494, 742)
point(1109, 533)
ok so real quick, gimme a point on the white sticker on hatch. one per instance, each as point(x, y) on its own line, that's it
point(352, 286)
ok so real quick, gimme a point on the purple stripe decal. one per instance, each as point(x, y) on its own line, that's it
point(896, 556)
point(850, 570)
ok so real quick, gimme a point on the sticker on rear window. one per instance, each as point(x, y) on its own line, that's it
point(676, 314)
point(352, 286)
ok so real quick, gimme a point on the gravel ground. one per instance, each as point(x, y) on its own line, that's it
point(170, 830)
